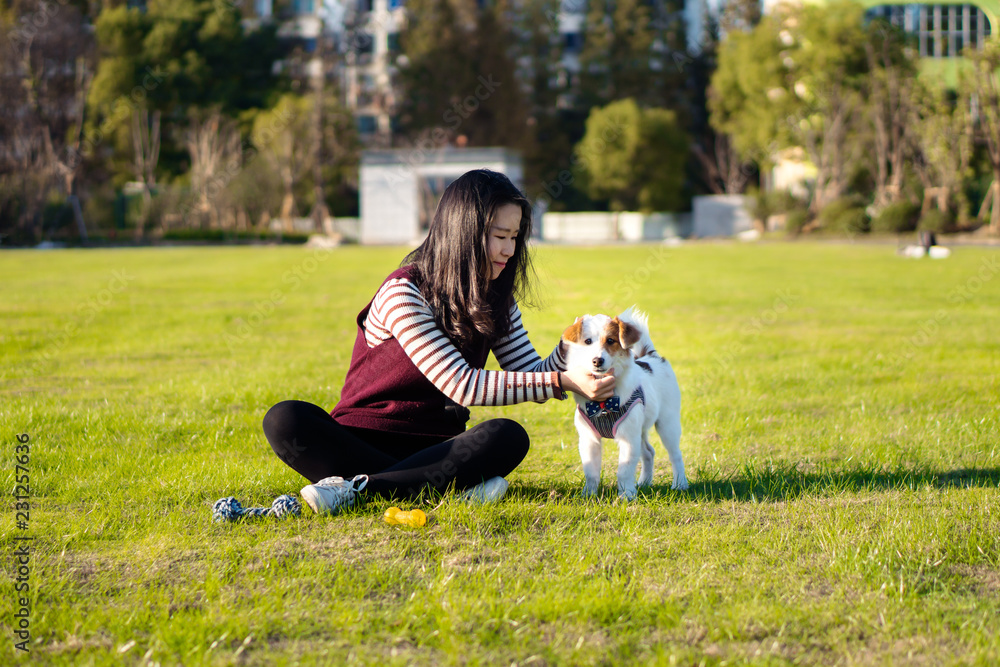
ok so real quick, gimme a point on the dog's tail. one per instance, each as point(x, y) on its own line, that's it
point(638, 319)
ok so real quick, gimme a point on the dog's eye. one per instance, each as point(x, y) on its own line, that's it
point(588, 341)
point(611, 341)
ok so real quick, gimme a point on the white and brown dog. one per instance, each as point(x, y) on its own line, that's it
point(646, 394)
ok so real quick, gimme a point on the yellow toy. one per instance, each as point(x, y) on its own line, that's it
point(413, 518)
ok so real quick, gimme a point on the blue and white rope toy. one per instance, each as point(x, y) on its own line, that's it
point(229, 509)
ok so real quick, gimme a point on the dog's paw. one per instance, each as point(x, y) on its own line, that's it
point(645, 480)
point(680, 484)
point(627, 493)
point(590, 489)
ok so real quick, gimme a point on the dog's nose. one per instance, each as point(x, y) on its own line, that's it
point(598, 362)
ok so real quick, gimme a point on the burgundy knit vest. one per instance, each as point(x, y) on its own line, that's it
point(385, 391)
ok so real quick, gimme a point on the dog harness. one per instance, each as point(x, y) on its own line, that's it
point(604, 416)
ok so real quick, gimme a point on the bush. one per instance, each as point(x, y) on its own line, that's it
point(634, 156)
point(897, 218)
point(783, 201)
point(936, 220)
point(795, 220)
point(854, 221)
point(57, 217)
point(762, 205)
point(757, 204)
point(846, 214)
point(226, 236)
point(99, 209)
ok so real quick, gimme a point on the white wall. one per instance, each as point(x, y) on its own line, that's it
point(389, 185)
point(720, 215)
point(388, 196)
point(604, 226)
point(792, 171)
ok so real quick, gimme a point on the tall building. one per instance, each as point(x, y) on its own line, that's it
point(301, 27)
point(363, 50)
point(372, 57)
point(942, 29)
point(697, 16)
point(370, 54)
point(355, 42)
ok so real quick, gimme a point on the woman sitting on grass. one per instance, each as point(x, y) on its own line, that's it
point(418, 360)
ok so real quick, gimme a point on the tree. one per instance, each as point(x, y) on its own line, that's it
point(719, 165)
point(940, 130)
point(146, 147)
point(341, 150)
point(551, 128)
point(238, 182)
point(889, 96)
point(739, 15)
point(502, 114)
point(631, 49)
point(983, 83)
point(434, 64)
point(176, 56)
point(634, 157)
point(458, 78)
point(796, 81)
point(538, 44)
point(745, 91)
point(213, 143)
point(285, 134)
point(46, 68)
point(723, 169)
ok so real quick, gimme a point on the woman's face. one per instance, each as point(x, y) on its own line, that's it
point(503, 237)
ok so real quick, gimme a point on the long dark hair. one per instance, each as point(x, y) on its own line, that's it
point(454, 265)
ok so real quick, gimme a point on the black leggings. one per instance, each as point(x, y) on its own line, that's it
point(308, 440)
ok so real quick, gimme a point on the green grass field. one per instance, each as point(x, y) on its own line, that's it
point(841, 437)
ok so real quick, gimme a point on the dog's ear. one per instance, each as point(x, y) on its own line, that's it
point(573, 331)
point(628, 335)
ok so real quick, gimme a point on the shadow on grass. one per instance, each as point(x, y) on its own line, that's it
point(777, 483)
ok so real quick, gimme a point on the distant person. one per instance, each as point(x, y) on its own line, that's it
point(422, 343)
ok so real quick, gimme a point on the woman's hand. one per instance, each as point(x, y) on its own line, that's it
point(585, 384)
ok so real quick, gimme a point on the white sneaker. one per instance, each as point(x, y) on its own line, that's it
point(489, 491)
point(329, 495)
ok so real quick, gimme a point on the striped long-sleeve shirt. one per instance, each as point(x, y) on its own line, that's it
point(400, 311)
